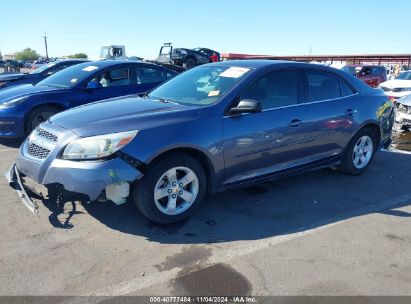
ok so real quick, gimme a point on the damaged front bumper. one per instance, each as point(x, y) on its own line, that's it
point(103, 179)
point(92, 179)
point(402, 121)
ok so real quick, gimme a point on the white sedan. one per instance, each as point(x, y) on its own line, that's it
point(398, 87)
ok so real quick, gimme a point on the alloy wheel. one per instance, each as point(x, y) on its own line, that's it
point(362, 153)
point(176, 190)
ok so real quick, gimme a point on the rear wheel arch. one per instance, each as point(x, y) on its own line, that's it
point(374, 127)
point(356, 157)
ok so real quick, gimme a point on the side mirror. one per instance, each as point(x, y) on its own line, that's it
point(246, 106)
point(94, 85)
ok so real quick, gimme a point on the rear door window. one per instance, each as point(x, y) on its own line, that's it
point(321, 85)
point(150, 75)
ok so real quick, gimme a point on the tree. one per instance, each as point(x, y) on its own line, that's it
point(78, 55)
point(1, 56)
point(27, 54)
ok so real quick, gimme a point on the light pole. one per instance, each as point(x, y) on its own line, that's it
point(45, 43)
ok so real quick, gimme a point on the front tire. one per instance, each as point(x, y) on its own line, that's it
point(37, 116)
point(172, 189)
point(359, 153)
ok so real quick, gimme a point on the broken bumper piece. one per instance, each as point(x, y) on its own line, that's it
point(14, 178)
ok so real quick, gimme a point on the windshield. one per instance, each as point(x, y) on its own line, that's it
point(404, 76)
point(200, 86)
point(43, 68)
point(69, 77)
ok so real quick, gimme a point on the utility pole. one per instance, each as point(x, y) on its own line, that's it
point(45, 43)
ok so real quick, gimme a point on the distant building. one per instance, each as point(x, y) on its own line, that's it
point(10, 56)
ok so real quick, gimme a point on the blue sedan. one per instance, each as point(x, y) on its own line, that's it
point(24, 107)
point(212, 128)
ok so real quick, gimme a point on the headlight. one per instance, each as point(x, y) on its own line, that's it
point(97, 146)
point(182, 52)
point(12, 103)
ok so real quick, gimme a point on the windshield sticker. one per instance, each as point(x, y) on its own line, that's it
point(213, 93)
point(234, 72)
point(74, 80)
point(90, 68)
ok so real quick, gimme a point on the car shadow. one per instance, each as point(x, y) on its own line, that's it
point(281, 207)
point(11, 142)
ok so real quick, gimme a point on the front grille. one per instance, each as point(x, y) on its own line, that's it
point(40, 143)
point(46, 135)
point(37, 151)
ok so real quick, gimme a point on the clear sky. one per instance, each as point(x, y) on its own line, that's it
point(284, 27)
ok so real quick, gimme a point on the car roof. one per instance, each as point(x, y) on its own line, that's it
point(71, 60)
point(260, 63)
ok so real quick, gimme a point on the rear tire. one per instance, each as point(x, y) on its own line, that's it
point(359, 153)
point(37, 116)
point(172, 189)
point(189, 63)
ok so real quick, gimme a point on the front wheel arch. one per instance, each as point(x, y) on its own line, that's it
point(197, 154)
point(50, 105)
point(144, 193)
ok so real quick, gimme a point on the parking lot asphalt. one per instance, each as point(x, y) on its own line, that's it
point(320, 233)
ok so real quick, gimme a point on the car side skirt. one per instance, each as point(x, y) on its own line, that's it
point(324, 163)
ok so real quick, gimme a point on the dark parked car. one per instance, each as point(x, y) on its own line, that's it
point(13, 79)
point(214, 127)
point(2, 63)
point(187, 58)
point(23, 107)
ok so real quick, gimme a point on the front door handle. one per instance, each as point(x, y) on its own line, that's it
point(295, 123)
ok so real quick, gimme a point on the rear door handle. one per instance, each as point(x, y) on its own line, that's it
point(295, 123)
point(350, 112)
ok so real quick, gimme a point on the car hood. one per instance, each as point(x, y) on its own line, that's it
point(396, 83)
point(12, 76)
point(406, 100)
point(7, 94)
point(122, 114)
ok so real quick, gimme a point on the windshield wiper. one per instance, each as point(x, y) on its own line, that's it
point(146, 95)
point(160, 99)
point(143, 95)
